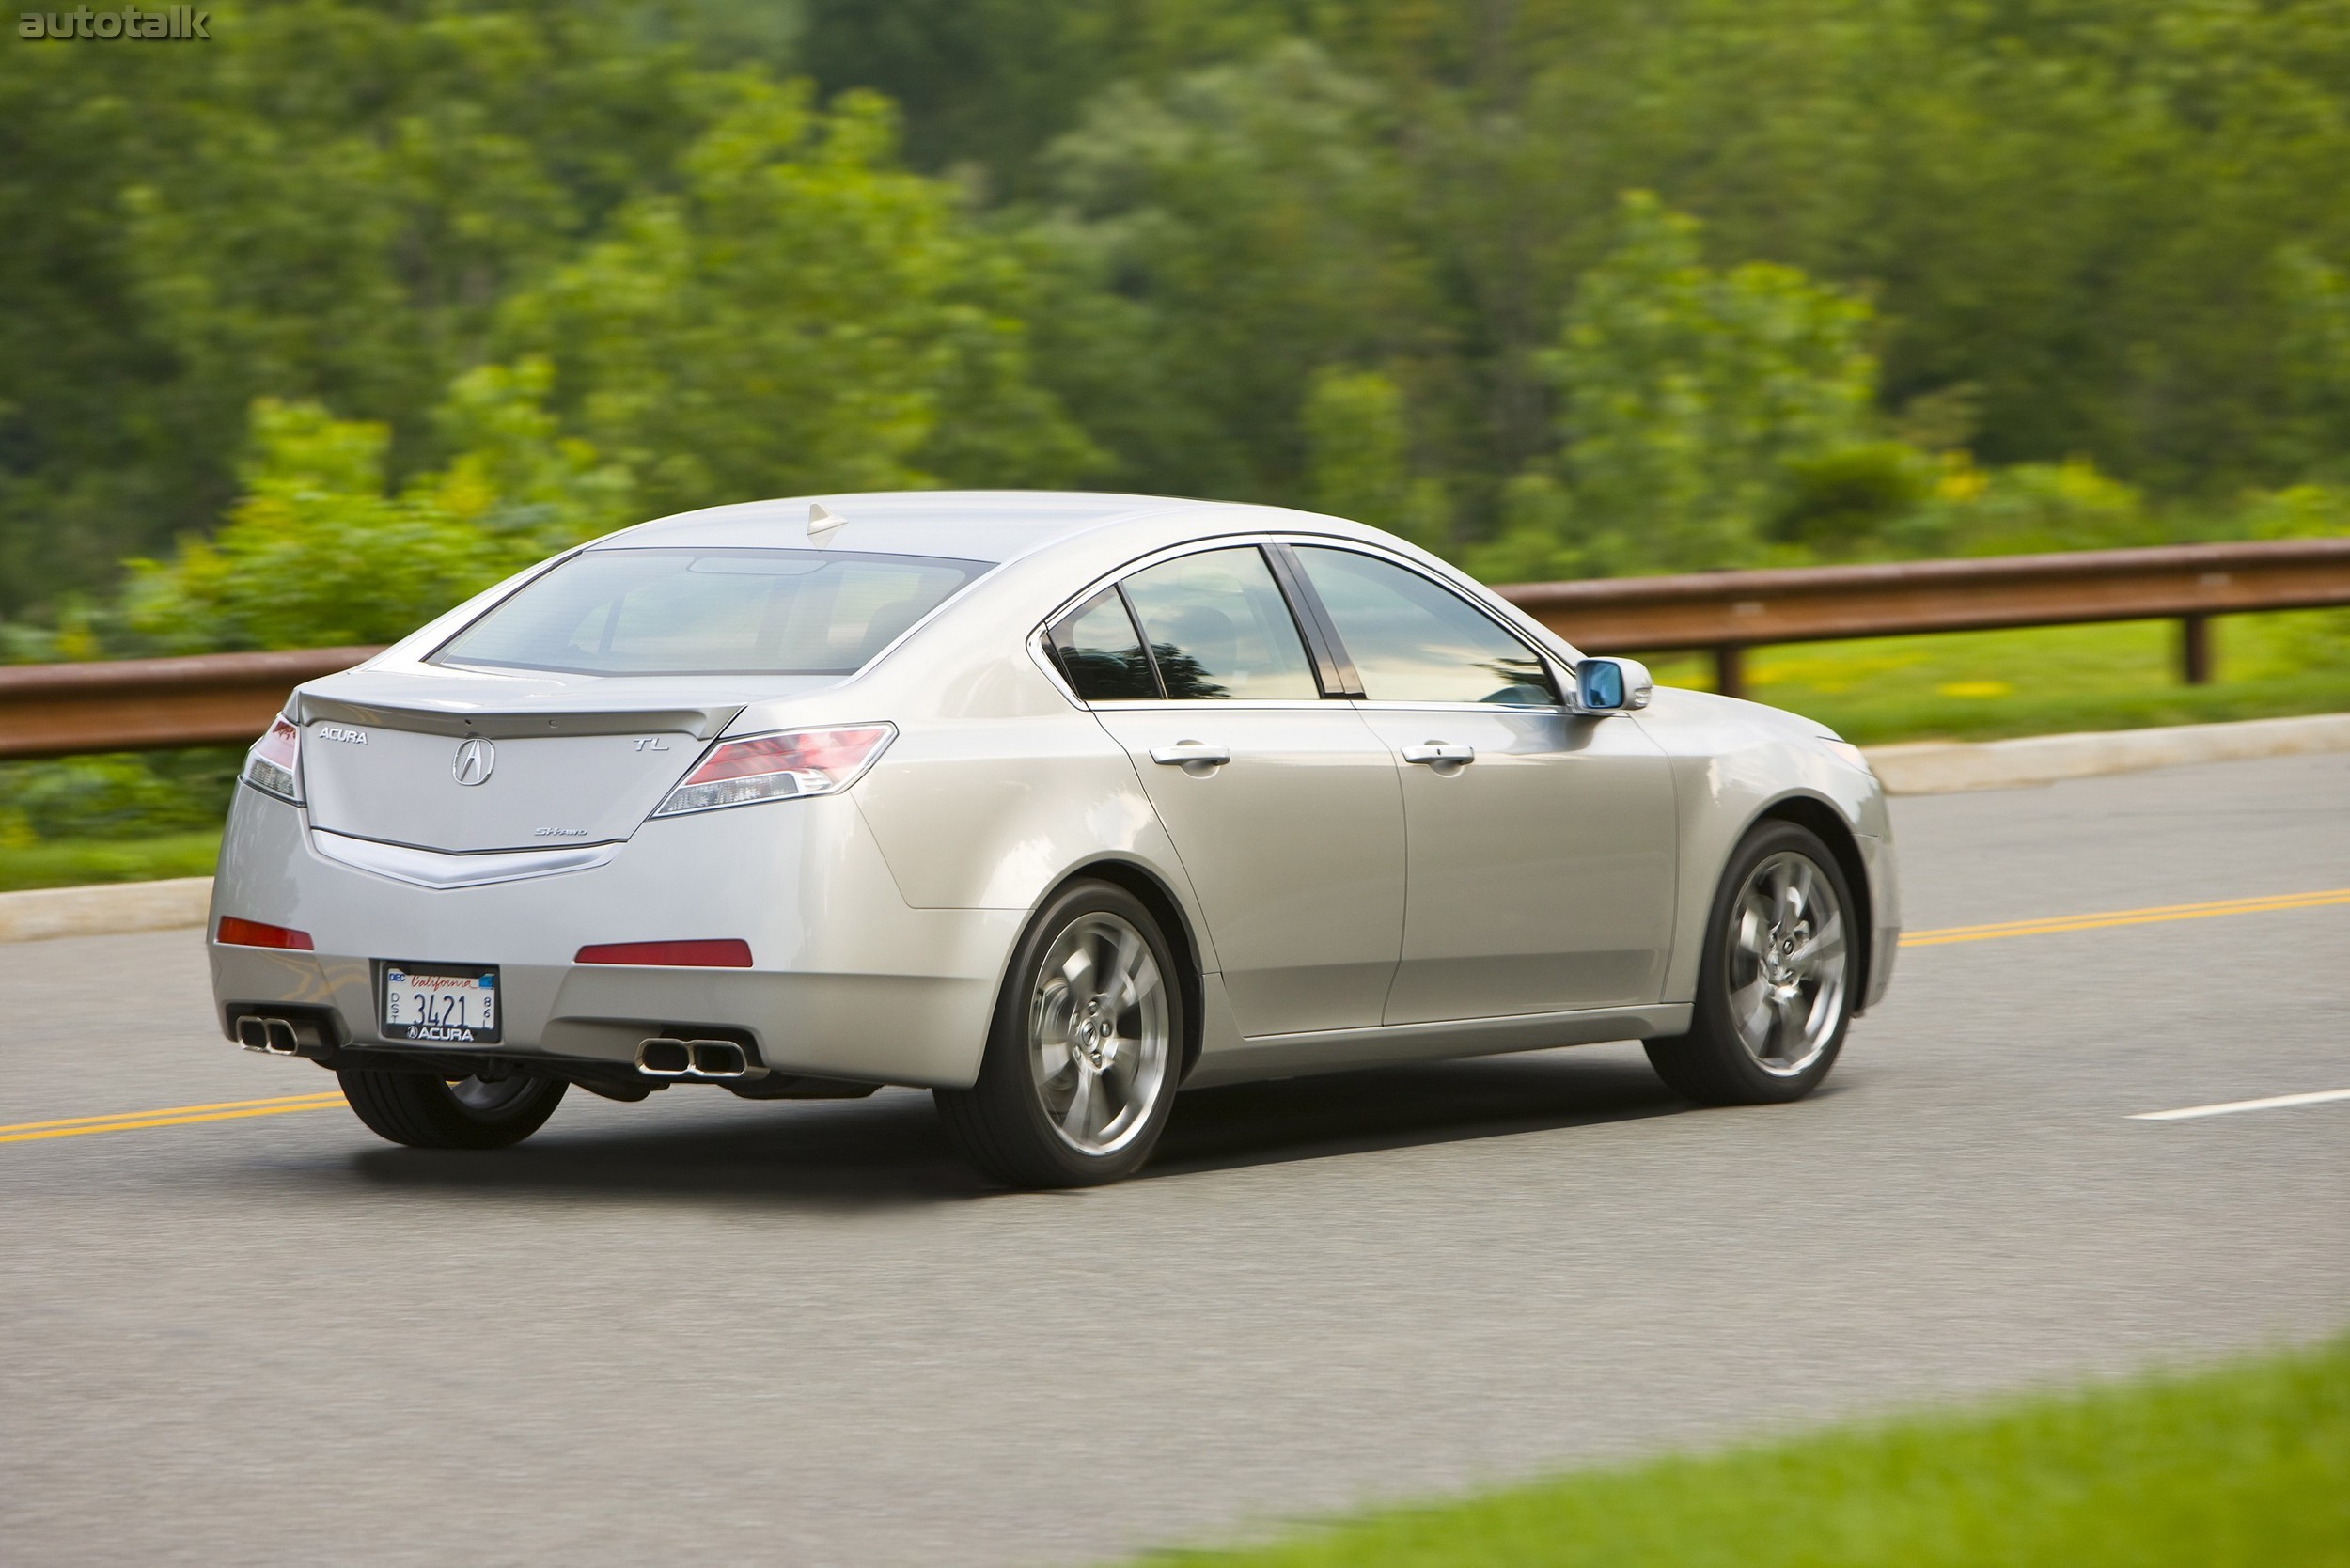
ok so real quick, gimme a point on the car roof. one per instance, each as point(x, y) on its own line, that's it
point(974, 524)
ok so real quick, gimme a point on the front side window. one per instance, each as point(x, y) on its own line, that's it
point(1414, 642)
point(1218, 628)
point(709, 612)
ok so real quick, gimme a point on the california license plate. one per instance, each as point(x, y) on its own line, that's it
point(440, 1004)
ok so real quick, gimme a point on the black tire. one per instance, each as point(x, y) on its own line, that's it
point(423, 1112)
point(1712, 1064)
point(1001, 1123)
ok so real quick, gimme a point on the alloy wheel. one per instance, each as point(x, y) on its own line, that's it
point(1788, 966)
point(1099, 1033)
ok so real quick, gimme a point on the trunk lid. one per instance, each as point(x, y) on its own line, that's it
point(464, 762)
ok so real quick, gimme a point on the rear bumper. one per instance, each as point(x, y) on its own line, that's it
point(849, 981)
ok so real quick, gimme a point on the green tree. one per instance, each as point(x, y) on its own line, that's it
point(327, 202)
point(1684, 394)
point(1358, 462)
point(800, 315)
point(319, 553)
point(1253, 214)
point(2311, 439)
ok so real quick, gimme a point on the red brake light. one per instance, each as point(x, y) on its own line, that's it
point(730, 952)
point(778, 767)
point(239, 933)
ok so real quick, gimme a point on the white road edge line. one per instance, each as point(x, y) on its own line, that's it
point(2275, 1101)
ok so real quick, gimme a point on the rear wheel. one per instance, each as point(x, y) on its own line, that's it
point(1079, 1075)
point(424, 1113)
point(1777, 978)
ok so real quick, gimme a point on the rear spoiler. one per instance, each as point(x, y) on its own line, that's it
point(702, 721)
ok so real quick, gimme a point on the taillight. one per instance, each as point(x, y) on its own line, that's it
point(239, 933)
point(272, 764)
point(778, 767)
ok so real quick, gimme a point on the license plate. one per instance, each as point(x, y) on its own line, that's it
point(445, 1004)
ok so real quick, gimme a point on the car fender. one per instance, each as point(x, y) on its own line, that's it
point(1734, 763)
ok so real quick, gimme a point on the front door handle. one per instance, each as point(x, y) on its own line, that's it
point(1184, 754)
point(1439, 754)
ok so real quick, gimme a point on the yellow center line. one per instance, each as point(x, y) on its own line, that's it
point(2053, 925)
point(174, 1116)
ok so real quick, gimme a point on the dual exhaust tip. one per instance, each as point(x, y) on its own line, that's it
point(655, 1058)
point(693, 1059)
point(278, 1037)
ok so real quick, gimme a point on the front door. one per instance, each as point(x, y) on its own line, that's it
point(1541, 856)
point(1285, 807)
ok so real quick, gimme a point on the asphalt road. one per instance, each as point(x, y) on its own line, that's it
point(707, 1330)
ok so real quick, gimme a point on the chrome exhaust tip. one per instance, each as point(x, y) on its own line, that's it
point(276, 1037)
point(664, 1058)
point(718, 1059)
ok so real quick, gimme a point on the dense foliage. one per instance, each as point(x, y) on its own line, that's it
point(380, 299)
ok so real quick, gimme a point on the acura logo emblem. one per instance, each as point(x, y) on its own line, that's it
point(475, 760)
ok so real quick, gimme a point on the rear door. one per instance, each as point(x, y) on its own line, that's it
point(1285, 807)
point(1541, 844)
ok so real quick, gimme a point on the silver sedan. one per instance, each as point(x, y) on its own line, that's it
point(1048, 803)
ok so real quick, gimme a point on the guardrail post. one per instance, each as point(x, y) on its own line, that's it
point(1730, 670)
point(2195, 649)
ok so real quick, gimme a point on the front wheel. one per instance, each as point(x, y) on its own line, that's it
point(423, 1112)
point(1079, 1075)
point(1777, 978)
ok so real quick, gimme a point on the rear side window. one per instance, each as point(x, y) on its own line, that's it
point(710, 612)
point(1100, 653)
point(1415, 641)
point(1219, 628)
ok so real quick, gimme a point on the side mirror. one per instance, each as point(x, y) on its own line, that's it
point(1611, 686)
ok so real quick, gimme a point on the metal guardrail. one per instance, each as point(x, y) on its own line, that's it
point(150, 704)
point(228, 699)
point(1728, 612)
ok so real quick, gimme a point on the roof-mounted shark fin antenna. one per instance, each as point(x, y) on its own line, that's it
point(820, 522)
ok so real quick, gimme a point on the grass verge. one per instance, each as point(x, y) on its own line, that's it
point(70, 862)
point(2245, 1466)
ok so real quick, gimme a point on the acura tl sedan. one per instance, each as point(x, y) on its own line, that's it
point(1051, 804)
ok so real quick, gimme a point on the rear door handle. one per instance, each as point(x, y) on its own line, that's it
point(1188, 752)
point(1434, 752)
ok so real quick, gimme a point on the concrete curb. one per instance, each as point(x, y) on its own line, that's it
point(104, 909)
point(1944, 767)
point(1923, 768)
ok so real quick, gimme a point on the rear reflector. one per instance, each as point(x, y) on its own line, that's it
point(258, 934)
point(727, 952)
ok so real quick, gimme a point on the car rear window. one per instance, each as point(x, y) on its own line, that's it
point(710, 612)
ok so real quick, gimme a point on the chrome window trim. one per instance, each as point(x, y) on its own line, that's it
point(1369, 704)
point(1040, 648)
point(1039, 642)
point(1042, 652)
point(1213, 704)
